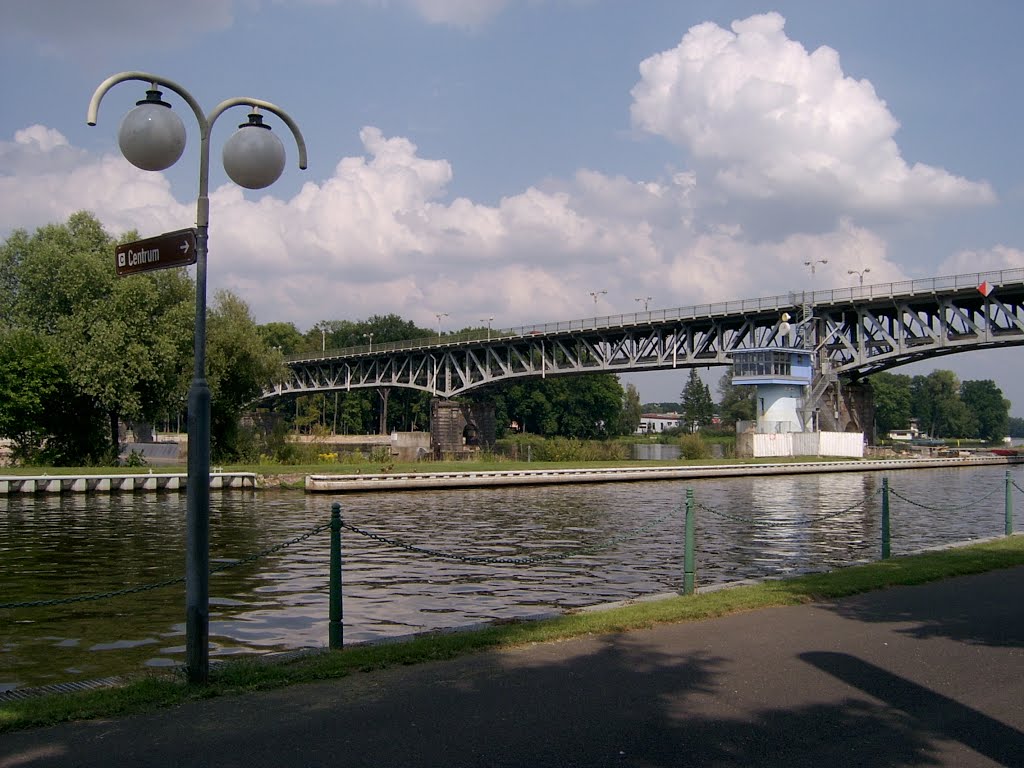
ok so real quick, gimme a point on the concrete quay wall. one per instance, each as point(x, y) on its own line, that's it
point(432, 480)
point(18, 484)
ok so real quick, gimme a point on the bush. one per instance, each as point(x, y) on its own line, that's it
point(694, 447)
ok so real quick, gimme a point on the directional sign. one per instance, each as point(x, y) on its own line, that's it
point(173, 249)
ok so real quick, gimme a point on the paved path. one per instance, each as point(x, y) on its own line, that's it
point(916, 676)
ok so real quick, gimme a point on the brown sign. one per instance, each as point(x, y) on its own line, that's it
point(173, 249)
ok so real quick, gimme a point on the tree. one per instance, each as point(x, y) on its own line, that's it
point(935, 401)
point(698, 408)
point(991, 411)
point(892, 399)
point(121, 344)
point(239, 365)
point(737, 401)
point(632, 411)
point(587, 406)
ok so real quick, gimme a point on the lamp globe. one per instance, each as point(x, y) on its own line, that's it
point(151, 136)
point(253, 157)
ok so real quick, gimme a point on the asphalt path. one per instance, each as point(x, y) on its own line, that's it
point(931, 675)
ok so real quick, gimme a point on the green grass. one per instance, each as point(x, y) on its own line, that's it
point(238, 677)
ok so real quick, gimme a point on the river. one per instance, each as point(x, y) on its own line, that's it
point(68, 545)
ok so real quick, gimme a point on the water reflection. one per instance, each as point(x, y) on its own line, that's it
point(59, 546)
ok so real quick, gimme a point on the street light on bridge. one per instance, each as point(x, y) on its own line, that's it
point(152, 137)
point(439, 315)
point(859, 273)
point(814, 263)
point(488, 321)
point(595, 294)
point(370, 337)
point(644, 299)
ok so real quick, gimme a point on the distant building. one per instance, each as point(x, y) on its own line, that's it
point(655, 423)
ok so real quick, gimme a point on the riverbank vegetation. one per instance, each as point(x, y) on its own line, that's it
point(160, 690)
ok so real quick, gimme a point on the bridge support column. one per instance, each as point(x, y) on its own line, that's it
point(461, 428)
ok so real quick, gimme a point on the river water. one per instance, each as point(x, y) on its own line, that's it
point(613, 541)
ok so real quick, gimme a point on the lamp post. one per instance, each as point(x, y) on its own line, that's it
point(644, 299)
point(859, 273)
point(488, 320)
point(439, 315)
point(595, 294)
point(323, 338)
point(152, 137)
point(370, 337)
point(814, 263)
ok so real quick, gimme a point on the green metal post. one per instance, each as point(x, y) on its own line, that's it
point(689, 561)
point(885, 518)
point(1009, 504)
point(336, 627)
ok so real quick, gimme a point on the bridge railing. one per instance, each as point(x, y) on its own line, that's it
point(902, 288)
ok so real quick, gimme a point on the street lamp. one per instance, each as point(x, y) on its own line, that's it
point(152, 137)
point(370, 337)
point(814, 263)
point(859, 273)
point(439, 315)
point(488, 321)
point(644, 299)
point(323, 337)
point(595, 294)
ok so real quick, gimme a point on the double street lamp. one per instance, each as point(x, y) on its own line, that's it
point(859, 273)
point(152, 137)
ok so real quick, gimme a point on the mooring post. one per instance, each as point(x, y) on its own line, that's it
point(885, 518)
point(1009, 504)
point(335, 625)
point(689, 561)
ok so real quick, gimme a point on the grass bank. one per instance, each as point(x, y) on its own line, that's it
point(239, 677)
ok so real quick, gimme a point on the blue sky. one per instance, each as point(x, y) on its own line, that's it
point(507, 158)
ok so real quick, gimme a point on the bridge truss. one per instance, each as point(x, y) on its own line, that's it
point(853, 331)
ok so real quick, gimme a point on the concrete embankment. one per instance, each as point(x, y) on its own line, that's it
point(17, 484)
point(434, 480)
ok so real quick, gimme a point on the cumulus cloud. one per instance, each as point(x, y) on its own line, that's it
point(381, 235)
point(992, 259)
point(771, 121)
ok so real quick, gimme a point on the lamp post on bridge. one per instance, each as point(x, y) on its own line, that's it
point(813, 264)
point(370, 337)
point(644, 299)
point(859, 273)
point(439, 315)
point(488, 321)
point(595, 294)
point(152, 137)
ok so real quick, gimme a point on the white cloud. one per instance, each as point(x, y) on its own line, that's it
point(378, 236)
point(774, 122)
point(986, 260)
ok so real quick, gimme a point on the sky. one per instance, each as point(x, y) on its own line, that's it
point(540, 160)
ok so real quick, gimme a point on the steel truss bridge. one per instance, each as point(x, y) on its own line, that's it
point(852, 331)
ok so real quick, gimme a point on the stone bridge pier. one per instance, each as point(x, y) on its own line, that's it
point(459, 428)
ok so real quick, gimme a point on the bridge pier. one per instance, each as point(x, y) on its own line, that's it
point(461, 427)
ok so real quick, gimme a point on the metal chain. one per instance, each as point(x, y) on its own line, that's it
point(165, 582)
point(899, 495)
point(1017, 486)
point(784, 523)
point(607, 544)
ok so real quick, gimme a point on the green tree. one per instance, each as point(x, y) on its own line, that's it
point(698, 407)
point(935, 401)
point(892, 399)
point(120, 343)
point(632, 411)
point(991, 411)
point(737, 401)
point(585, 407)
point(1015, 427)
point(239, 366)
